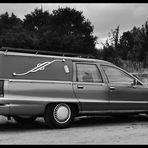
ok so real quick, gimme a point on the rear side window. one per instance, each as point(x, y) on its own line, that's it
point(88, 73)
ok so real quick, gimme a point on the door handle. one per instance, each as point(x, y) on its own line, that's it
point(80, 86)
point(112, 88)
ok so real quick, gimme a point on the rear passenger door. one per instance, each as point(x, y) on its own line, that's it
point(90, 88)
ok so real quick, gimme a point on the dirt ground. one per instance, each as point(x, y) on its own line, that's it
point(84, 131)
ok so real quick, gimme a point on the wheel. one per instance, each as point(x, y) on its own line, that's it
point(24, 120)
point(59, 115)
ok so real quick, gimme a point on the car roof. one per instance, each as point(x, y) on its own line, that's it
point(51, 54)
point(74, 59)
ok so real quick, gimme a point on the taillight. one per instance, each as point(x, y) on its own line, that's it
point(1, 88)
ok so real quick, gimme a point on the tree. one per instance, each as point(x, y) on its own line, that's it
point(36, 20)
point(74, 31)
point(64, 30)
point(144, 43)
point(10, 27)
point(8, 22)
point(110, 48)
point(126, 45)
point(114, 37)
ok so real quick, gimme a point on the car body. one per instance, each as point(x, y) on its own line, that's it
point(59, 88)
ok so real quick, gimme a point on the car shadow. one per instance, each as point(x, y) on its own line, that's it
point(108, 120)
point(11, 125)
point(85, 121)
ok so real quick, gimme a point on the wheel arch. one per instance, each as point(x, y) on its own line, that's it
point(75, 106)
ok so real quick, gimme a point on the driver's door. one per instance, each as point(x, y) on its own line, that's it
point(123, 94)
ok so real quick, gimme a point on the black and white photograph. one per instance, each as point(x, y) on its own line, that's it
point(73, 73)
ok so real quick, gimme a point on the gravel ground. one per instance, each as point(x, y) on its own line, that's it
point(84, 131)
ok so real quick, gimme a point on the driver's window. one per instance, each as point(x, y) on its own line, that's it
point(115, 75)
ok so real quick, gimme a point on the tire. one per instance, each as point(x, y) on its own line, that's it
point(59, 115)
point(24, 120)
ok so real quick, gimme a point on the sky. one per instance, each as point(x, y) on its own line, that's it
point(103, 16)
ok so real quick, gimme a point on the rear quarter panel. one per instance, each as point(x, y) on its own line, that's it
point(31, 97)
point(30, 93)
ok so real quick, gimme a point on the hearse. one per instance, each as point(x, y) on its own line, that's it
point(60, 87)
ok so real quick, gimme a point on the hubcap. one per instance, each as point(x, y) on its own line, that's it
point(62, 113)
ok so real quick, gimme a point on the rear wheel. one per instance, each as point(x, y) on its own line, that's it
point(59, 115)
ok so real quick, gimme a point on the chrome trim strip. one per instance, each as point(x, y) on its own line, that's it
point(89, 83)
point(110, 102)
point(13, 101)
point(38, 67)
point(111, 111)
point(128, 101)
point(38, 81)
point(93, 101)
point(51, 81)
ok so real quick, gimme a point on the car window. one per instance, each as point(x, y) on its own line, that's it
point(115, 75)
point(88, 73)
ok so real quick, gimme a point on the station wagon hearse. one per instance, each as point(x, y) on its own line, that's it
point(59, 88)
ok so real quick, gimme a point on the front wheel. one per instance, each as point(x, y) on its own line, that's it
point(59, 115)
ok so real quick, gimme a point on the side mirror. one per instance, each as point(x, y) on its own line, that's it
point(134, 83)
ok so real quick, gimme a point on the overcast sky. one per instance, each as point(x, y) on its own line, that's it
point(103, 16)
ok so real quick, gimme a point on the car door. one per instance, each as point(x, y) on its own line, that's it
point(89, 88)
point(124, 95)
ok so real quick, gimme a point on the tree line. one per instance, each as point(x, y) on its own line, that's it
point(67, 30)
point(63, 30)
point(131, 45)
